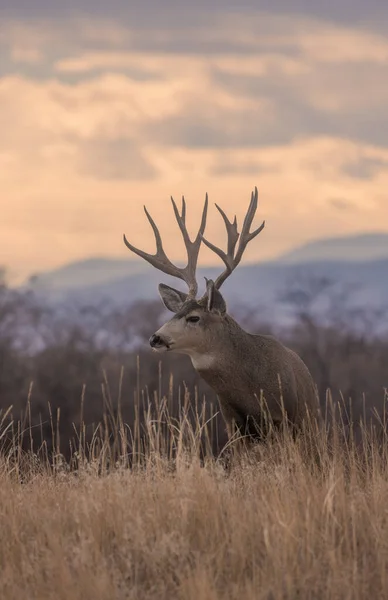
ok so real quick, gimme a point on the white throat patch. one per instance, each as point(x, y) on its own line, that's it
point(202, 361)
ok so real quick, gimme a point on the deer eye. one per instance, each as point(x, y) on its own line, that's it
point(192, 319)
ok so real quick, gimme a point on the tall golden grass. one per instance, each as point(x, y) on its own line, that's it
point(148, 512)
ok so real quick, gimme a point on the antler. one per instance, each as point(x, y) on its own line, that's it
point(231, 259)
point(160, 259)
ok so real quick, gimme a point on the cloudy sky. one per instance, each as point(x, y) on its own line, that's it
point(107, 106)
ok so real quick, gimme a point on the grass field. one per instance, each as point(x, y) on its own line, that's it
point(277, 524)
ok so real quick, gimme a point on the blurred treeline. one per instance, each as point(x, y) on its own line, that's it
point(85, 364)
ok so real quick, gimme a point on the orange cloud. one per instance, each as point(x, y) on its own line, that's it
point(105, 131)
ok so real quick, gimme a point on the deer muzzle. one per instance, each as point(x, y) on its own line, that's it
point(157, 342)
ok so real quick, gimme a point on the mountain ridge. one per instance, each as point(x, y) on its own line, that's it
point(121, 281)
point(363, 247)
point(359, 247)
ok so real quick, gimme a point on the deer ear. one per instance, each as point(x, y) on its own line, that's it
point(172, 299)
point(215, 300)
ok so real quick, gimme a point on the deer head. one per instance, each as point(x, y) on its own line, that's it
point(199, 325)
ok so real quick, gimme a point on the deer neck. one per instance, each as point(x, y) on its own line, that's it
point(223, 354)
point(204, 361)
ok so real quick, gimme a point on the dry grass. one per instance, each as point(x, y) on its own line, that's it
point(278, 524)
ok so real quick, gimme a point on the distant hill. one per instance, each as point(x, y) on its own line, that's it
point(359, 263)
point(357, 248)
point(85, 273)
point(97, 272)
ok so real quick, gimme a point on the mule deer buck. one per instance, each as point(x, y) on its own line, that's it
point(256, 378)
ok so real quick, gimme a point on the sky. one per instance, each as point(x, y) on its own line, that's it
point(105, 107)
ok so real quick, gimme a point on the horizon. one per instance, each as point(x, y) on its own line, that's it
point(109, 108)
point(132, 258)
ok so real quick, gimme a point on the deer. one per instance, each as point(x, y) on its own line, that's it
point(260, 383)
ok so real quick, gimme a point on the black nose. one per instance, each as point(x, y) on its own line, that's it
point(155, 340)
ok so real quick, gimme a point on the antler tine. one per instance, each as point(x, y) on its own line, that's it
point(246, 234)
point(181, 219)
point(158, 239)
point(250, 213)
point(231, 259)
point(192, 247)
point(233, 235)
point(231, 228)
point(160, 261)
point(203, 221)
point(183, 209)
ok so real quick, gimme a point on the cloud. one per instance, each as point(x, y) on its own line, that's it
point(341, 204)
point(120, 116)
point(230, 163)
point(26, 54)
point(78, 38)
point(149, 11)
point(308, 75)
point(114, 159)
point(364, 167)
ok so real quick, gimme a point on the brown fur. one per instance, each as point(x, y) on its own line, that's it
point(255, 377)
